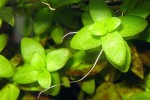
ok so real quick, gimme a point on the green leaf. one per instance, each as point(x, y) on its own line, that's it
point(2, 3)
point(84, 40)
point(57, 59)
point(44, 78)
point(112, 23)
point(30, 46)
point(86, 18)
point(140, 96)
point(6, 69)
point(97, 29)
point(25, 74)
point(126, 65)
point(38, 62)
point(9, 92)
point(132, 25)
point(88, 86)
point(55, 81)
point(99, 10)
point(59, 3)
point(57, 34)
point(7, 15)
point(114, 48)
point(43, 20)
point(3, 41)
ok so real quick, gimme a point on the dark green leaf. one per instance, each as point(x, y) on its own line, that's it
point(30, 46)
point(6, 69)
point(3, 41)
point(44, 78)
point(57, 59)
point(142, 9)
point(86, 18)
point(88, 86)
point(7, 15)
point(38, 62)
point(114, 48)
point(9, 92)
point(57, 34)
point(99, 10)
point(132, 25)
point(112, 23)
point(84, 39)
point(25, 74)
point(43, 20)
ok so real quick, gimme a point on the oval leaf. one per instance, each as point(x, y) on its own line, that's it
point(30, 46)
point(132, 25)
point(112, 23)
point(84, 39)
point(114, 48)
point(57, 34)
point(99, 10)
point(44, 78)
point(57, 59)
point(38, 62)
point(43, 20)
point(88, 86)
point(3, 41)
point(9, 92)
point(26, 74)
point(6, 69)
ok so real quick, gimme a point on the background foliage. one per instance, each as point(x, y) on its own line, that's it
point(36, 53)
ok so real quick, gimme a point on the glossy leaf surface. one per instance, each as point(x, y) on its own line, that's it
point(84, 40)
point(99, 10)
point(30, 46)
point(132, 25)
point(114, 48)
point(57, 59)
point(112, 23)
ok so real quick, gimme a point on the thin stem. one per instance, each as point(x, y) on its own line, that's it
point(70, 33)
point(48, 5)
point(76, 80)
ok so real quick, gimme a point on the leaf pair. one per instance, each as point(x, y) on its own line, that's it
point(39, 65)
point(108, 31)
